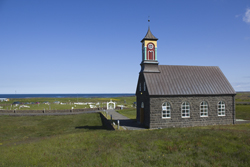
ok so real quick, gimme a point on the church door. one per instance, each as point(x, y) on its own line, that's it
point(142, 115)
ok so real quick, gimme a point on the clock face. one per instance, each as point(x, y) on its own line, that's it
point(150, 46)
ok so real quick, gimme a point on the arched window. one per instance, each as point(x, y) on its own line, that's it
point(204, 109)
point(139, 86)
point(166, 110)
point(142, 105)
point(185, 110)
point(144, 86)
point(221, 108)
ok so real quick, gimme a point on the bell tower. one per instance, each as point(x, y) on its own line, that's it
point(149, 53)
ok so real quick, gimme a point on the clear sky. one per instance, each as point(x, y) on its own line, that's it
point(80, 46)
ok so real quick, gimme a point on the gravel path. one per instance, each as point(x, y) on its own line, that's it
point(128, 124)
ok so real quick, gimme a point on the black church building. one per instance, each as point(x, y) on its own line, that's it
point(181, 96)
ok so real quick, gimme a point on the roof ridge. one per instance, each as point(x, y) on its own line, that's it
point(188, 65)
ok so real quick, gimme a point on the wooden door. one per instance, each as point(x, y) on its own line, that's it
point(150, 55)
point(142, 115)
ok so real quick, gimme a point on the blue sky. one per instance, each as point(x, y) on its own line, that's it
point(79, 46)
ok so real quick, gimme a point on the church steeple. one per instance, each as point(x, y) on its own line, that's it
point(149, 36)
point(149, 53)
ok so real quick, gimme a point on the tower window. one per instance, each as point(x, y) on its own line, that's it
point(150, 46)
point(139, 86)
point(144, 86)
point(142, 105)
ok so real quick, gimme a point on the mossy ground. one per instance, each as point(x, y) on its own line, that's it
point(81, 140)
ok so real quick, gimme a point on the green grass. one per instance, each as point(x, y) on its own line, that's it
point(243, 112)
point(130, 112)
point(242, 97)
point(55, 141)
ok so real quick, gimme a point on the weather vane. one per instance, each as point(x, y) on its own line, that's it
point(148, 21)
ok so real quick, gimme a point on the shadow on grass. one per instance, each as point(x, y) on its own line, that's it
point(90, 127)
point(131, 123)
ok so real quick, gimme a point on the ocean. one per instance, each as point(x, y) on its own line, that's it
point(108, 95)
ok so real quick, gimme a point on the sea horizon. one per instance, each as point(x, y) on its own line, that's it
point(65, 95)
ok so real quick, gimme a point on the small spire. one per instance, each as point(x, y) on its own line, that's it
point(149, 35)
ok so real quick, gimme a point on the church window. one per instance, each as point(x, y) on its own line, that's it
point(142, 105)
point(139, 86)
point(185, 110)
point(144, 86)
point(203, 109)
point(166, 110)
point(221, 108)
point(150, 46)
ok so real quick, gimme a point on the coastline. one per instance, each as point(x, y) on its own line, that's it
point(94, 95)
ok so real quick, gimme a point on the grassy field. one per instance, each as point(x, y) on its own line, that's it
point(243, 112)
point(242, 97)
point(81, 140)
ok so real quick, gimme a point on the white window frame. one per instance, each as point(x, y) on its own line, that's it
point(166, 110)
point(221, 108)
point(203, 109)
point(185, 110)
point(144, 86)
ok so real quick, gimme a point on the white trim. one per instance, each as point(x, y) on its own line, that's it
point(222, 106)
point(142, 105)
point(204, 109)
point(186, 109)
point(166, 107)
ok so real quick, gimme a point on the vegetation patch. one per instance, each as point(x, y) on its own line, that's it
point(81, 140)
point(129, 112)
point(243, 112)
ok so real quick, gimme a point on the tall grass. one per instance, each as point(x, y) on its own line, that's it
point(80, 140)
point(243, 112)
